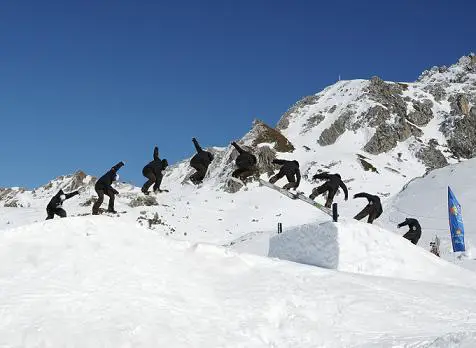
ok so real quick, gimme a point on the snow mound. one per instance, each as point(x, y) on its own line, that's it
point(99, 282)
point(426, 199)
point(356, 247)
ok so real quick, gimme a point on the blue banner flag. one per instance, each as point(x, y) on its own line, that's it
point(456, 222)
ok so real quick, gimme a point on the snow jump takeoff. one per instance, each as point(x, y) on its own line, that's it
point(200, 163)
point(414, 232)
point(331, 186)
point(245, 162)
point(153, 172)
point(290, 169)
point(103, 187)
point(373, 209)
point(55, 206)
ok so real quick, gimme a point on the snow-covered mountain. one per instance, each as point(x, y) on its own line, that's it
point(378, 135)
point(127, 281)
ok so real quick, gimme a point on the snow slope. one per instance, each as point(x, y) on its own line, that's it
point(362, 248)
point(219, 217)
point(99, 282)
point(426, 199)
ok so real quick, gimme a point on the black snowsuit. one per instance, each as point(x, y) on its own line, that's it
point(290, 169)
point(55, 206)
point(373, 209)
point(153, 172)
point(245, 162)
point(414, 232)
point(200, 163)
point(331, 186)
point(103, 187)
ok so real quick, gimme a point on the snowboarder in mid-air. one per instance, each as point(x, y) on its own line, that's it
point(200, 163)
point(290, 169)
point(331, 186)
point(55, 206)
point(153, 172)
point(414, 232)
point(373, 209)
point(245, 162)
point(103, 187)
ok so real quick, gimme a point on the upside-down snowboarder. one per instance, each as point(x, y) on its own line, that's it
point(414, 231)
point(200, 163)
point(103, 187)
point(373, 209)
point(245, 162)
point(153, 172)
point(290, 169)
point(331, 186)
point(55, 206)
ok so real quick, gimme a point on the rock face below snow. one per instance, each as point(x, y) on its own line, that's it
point(262, 133)
point(382, 116)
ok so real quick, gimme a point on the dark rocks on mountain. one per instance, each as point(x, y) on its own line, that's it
point(262, 133)
point(13, 204)
point(140, 201)
point(312, 122)
point(436, 90)
point(377, 115)
point(332, 109)
point(232, 186)
point(382, 141)
point(366, 165)
point(77, 181)
point(283, 122)
point(431, 157)
point(330, 135)
point(388, 94)
point(462, 136)
point(265, 156)
point(387, 136)
point(459, 104)
point(422, 113)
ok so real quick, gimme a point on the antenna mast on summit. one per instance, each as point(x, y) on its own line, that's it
point(339, 77)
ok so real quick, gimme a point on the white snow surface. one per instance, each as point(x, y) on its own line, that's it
point(100, 282)
point(358, 247)
point(426, 199)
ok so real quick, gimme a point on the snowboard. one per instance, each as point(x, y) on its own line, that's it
point(301, 196)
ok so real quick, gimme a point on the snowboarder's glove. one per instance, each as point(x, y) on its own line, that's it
point(115, 191)
point(315, 177)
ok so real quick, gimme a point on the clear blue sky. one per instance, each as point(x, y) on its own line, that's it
point(85, 84)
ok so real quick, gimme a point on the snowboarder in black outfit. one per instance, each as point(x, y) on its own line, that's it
point(414, 232)
point(373, 209)
point(331, 186)
point(245, 162)
point(103, 187)
point(290, 169)
point(200, 163)
point(153, 172)
point(55, 206)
